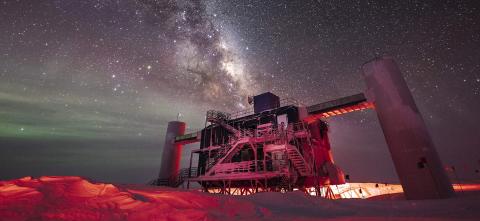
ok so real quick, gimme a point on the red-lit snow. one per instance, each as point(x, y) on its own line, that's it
point(74, 198)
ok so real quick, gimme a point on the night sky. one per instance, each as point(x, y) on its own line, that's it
point(87, 87)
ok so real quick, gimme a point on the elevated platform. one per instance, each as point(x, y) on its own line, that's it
point(338, 106)
point(188, 138)
point(239, 176)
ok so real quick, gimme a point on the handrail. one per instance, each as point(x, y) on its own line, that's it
point(217, 115)
point(249, 111)
point(272, 133)
point(242, 113)
point(176, 179)
point(238, 167)
point(290, 101)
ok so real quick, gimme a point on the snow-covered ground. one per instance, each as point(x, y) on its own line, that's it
point(74, 198)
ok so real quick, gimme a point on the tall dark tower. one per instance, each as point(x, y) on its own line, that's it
point(416, 161)
point(172, 152)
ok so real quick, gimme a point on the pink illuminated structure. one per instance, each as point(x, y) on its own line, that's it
point(282, 145)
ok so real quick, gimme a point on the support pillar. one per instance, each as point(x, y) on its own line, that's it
point(416, 161)
point(172, 152)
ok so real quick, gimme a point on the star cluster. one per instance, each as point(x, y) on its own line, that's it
point(84, 82)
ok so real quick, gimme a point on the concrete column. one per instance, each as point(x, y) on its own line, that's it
point(416, 161)
point(172, 153)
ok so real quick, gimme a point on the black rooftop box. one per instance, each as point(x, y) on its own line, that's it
point(265, 101)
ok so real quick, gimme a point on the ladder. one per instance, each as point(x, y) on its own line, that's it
point(228, 153)
point(221, 153)
point(221, 118)
point(298, 161)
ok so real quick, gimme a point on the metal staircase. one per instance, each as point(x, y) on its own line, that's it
point(220, 154)
point(239, 137)
point(228, 153)
point(298, 161)
point(177, 179)
point(220, 118)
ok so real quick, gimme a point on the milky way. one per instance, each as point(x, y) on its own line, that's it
point(87, 87)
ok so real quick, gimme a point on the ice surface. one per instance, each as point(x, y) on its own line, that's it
point(74, 198)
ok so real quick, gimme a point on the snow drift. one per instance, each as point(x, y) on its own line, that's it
point(74, 198)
